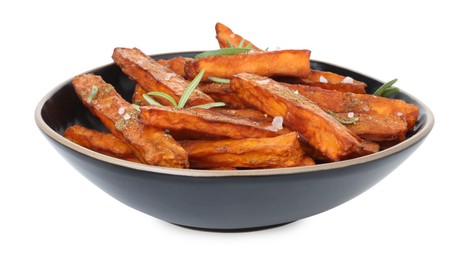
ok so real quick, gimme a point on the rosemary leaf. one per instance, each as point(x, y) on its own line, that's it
point(92, 94)
point(165, 96)
point(222, 52)
point(219, 80)
point(241, 44)
point(229, 43)
point(210, 105)
point(344, 122)
point(150, 100)
point(190, 88)
point(136, 106)
point(380, 90)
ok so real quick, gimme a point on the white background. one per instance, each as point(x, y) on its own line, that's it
point(49, 211)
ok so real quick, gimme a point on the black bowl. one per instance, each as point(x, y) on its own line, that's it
point(220, 200)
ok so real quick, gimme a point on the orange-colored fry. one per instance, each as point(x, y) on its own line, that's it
point(175, 64)
point(225, 34)
point(153, 76)
point(339, 102)
point(105, 143)
point(330, 80)
point(318, 128)
point(149, 144)
point(294, 63)
point(223, 93)
point(206, 122)
point(271, 152)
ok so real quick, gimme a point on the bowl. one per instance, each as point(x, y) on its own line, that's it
point(231, 200)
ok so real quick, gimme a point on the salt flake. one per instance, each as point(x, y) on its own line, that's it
point(323, 79)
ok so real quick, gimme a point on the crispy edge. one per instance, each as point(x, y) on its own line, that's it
point(149, 144)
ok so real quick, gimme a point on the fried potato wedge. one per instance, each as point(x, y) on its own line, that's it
point(223, 93)
point(271, 152)
point(293, 63)
point(206, 122)
point(225, 35)
point(330, 80)
point(153, 76)
point(374, 127)
point(323, 132)
point(176, 64)
point(339, 102)
point(151, 145)
point(105, 143)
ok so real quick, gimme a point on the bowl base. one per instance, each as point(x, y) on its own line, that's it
point(234, 230)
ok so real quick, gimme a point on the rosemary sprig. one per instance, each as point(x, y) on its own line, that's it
point(92, 94)
point(342, 121)
point(219, 80)
point(190, 88)
point(210, 105)
point(386, 89)
point(165, 96)
point(150, 100)
point(223, 52)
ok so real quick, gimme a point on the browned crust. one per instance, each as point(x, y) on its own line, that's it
point(294, 63)
point(225, 34)
point(153, 76)
point(149, 144)
point(318, 128)
point(210, 124)
point(274, 152)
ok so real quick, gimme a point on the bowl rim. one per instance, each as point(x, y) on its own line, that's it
point(47, 130)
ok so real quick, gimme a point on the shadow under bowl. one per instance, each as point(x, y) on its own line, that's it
point(233, 200)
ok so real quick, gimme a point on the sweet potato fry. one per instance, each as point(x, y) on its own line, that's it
point(149, 144)
point(376, 128)
point(330, 80)
point(105, 143)
point(175, 64)
point(153, 76)
point(225, 34)
point(209, 123)
point(271, 152)
point(294, 63)
point(223, 93)
point(319, 129)
point(339, 102)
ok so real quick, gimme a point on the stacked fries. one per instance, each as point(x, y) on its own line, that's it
point(252, 109)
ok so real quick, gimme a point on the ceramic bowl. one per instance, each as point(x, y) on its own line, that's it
point(232, 200)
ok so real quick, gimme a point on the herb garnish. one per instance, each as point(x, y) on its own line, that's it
point(223, 52)
point(184, 97)
point(219, 80)
point(342, 121)
point(386, 89)
point(92, 94)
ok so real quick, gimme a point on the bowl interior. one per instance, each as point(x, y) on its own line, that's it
point(62, 108)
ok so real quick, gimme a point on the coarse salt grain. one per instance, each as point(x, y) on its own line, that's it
point(126, 116)
point(296, 92)
point(276, 125)
point(350, 114)
point(399, 114)
point(348, 80)
point(121, 110)
point(323, 79)
point(264, 81)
